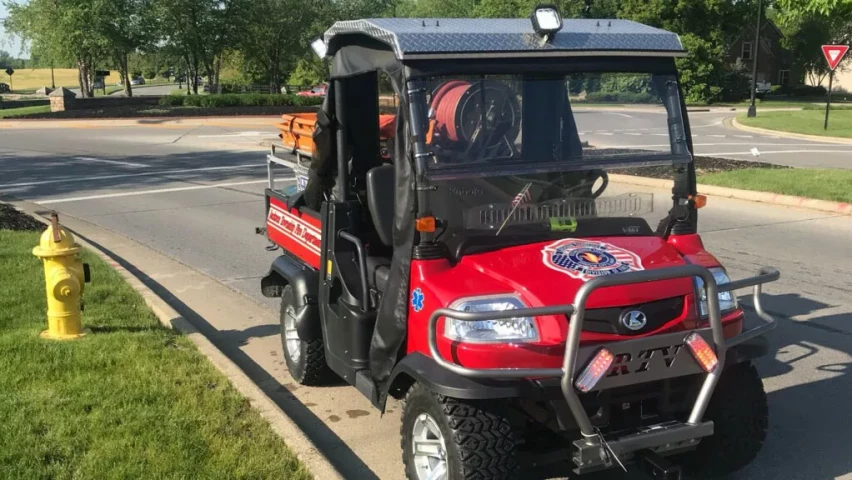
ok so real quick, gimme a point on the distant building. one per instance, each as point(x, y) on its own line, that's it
point(774, 62)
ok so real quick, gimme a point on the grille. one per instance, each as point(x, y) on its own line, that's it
point(608, 320)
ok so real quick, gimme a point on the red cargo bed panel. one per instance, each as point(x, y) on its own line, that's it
point(297, 232)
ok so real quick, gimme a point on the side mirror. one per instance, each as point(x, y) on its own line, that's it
point(319, 47)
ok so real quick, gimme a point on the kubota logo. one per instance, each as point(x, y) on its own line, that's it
point(634, 320)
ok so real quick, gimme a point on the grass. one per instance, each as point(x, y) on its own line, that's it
point(808, 122)
point(30, 79)
point(131, 400)
point(822, 184)
point(17, 112)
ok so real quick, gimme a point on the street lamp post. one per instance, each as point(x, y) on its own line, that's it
point(752, 109)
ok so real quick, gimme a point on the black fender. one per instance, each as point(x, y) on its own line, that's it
point(747, 351)
point(304, 280)
point(419, 368)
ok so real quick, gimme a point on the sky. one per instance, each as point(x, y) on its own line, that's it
point(8, 42)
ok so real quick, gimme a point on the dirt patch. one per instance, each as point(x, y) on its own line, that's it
point(11, 219)
point(703, 165)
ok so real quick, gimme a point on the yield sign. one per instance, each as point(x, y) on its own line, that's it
point(834, 54)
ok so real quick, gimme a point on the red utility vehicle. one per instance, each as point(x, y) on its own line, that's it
point(496, 273)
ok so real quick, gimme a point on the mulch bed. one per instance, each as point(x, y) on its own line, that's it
point(703, 165)
point(134, 111)
point(11, 219)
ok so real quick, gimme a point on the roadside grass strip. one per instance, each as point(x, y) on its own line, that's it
point(821, 184)
point(131, 400)
point(807, 122)
point(17, 112)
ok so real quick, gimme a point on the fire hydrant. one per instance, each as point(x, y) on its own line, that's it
point(64, 276)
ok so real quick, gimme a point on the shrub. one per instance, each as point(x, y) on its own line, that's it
point(172, 100)
point(621, 97)
point(809, 91)
point(150, 74)
point(240, 100)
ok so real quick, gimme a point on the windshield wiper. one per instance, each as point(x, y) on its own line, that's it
point(521, 197)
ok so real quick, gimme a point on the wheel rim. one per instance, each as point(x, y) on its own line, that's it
point(291, 336)
point(429, 449)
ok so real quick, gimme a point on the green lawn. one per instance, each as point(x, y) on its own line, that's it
point(808, 122)
point(17, 112)
point(801, 182)
point(131, 400)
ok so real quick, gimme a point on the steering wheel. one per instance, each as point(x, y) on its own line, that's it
point(581, 188)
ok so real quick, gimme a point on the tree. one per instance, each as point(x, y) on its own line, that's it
point(707, 28)
point(200, 31)
point(62, 34)
point(127, 26)
point(809, 25)
point(799, 9)
point(275, 38)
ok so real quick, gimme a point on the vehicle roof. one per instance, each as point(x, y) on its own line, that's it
point(508, 37)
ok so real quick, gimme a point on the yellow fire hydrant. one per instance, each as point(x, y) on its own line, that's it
point(64, 276)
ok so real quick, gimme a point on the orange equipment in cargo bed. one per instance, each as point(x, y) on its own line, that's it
point(297, 130)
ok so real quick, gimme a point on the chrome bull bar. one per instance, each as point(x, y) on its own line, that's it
point(577, 312)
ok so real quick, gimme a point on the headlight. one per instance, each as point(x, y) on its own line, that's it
point(508, 330)
point(727, 300)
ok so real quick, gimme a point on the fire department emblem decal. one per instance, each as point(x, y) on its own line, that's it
point(585, 260)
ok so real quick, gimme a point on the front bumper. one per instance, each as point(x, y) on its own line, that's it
point(640, 360)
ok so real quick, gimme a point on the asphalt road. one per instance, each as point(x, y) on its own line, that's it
point(711, 135)
point(196, 194)
point(150, 90)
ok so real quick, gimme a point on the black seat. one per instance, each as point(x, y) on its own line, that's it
point(380, 201)
point(378, 269)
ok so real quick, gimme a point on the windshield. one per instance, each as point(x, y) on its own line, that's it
point(521, 154)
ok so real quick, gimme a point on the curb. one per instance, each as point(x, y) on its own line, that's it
point(315, 462)
point(838, 208)
point(782, 134)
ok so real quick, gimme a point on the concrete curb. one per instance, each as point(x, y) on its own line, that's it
point(782, 134)
point(838, 208)
point(281, 424)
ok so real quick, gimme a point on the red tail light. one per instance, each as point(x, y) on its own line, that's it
point(596, 369)
point(703, 353)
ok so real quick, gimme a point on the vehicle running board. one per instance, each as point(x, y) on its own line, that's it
point(364, 383)
point(591, 454)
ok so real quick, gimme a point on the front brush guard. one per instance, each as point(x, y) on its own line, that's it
point(591, 450)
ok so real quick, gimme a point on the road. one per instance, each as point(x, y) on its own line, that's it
point(150, 90)
point(142, 90)
point(195, 194)
point(711, 135)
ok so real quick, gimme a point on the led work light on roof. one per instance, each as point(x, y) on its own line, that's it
point(319, 47)
point(546, 21)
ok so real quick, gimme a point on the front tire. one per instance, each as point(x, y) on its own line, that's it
point(305, 360)
point(445, 438)
point(740, 418)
